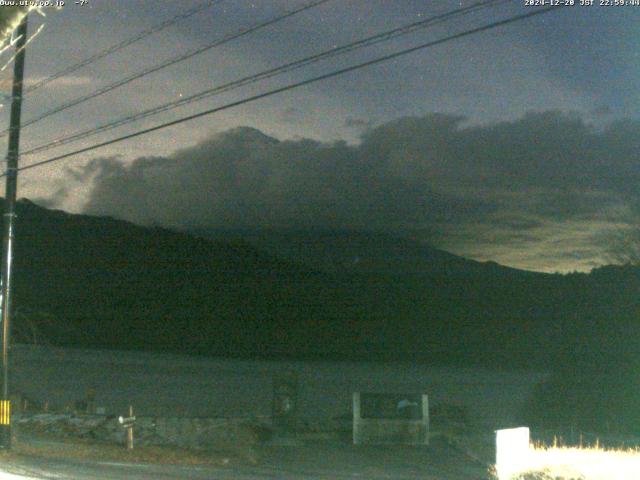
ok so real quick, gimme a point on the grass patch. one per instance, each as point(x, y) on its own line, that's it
point(81, 449)
point(579, 463)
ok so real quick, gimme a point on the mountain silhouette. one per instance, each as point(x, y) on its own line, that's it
point(100, 282)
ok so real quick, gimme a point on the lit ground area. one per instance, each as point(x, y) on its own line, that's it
point(575, 463)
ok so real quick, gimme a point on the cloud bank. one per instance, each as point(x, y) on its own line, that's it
point(541, 192)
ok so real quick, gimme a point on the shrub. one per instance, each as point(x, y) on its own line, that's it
point(599, 398)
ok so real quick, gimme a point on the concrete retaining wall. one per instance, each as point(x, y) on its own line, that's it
point(166, 385)
point(377, 431)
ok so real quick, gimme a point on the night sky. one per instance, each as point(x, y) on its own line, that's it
point(517, 145)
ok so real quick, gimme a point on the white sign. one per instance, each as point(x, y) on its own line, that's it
point(512, 451)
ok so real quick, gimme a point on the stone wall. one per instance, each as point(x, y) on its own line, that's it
point(195, 433)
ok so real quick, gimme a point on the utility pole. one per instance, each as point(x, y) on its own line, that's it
point(8, 234)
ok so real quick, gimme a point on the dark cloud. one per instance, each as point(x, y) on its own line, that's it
point(508, 183)
point(516, 223)
point(602, 111)
point(358, 123)
point(54, 200)
point(292, 115)
point(244, 178)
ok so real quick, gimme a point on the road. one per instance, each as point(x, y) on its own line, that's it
point(318, 462)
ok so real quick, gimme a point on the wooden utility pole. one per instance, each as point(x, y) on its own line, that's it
point(8, 235)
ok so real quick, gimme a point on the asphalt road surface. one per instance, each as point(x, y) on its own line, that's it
point(315, 462)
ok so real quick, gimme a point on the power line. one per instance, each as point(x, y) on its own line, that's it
point(292, 86)
point(173, 61)
point(366, 42)
point(123, 44)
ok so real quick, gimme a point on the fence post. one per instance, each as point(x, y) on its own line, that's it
point(130, 430)
point(127, 424)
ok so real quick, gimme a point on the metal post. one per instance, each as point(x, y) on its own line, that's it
point(130, 430)
point(8, 236)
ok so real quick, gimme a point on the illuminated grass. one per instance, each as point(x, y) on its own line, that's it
point(575, 463)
